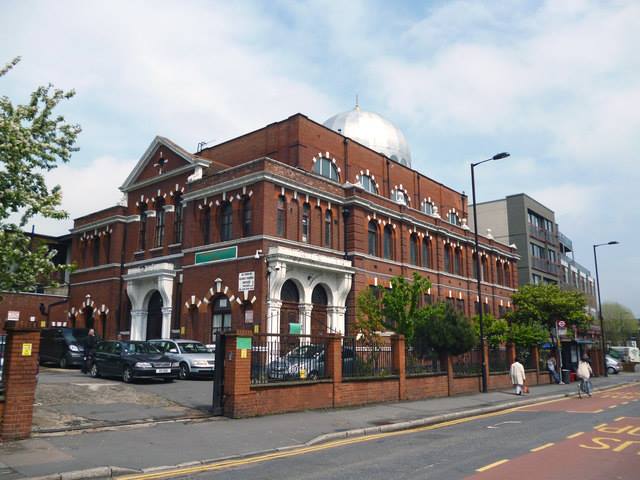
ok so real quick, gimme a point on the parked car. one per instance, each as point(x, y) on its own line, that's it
point(625, 354)
point(195, 359)
point(303, 361)
point(63, 346)
point(613, 365)
point(133, 360)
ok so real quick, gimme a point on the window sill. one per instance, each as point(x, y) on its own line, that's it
point(156, 249)
point(174, 245)
point(139, 252)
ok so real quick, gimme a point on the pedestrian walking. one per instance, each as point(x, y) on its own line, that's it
point(551, 366)
point(89, 350)
point(517, 376)
point(584, 373)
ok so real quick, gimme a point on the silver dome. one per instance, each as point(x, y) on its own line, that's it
point(373, 131)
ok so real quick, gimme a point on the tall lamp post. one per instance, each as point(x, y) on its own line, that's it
point(497, 156)
point(595, 259)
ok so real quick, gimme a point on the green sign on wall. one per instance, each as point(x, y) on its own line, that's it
point(243, 343)
point(217, 255)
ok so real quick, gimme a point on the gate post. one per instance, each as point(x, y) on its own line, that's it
point(399, 366)
point(20, 370)
point(239, 400)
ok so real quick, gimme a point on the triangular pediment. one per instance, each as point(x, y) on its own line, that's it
point(162, 159)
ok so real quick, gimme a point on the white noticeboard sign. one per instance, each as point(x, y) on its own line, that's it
point(246, 281)
point(13, 315)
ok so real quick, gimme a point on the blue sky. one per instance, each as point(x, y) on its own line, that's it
point(555, 83)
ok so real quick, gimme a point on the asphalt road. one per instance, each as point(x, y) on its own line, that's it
point(592, 438)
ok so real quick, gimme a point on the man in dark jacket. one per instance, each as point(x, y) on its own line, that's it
point(89, 350)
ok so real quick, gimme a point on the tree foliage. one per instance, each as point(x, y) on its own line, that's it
point(545, 304)
point(401, 304)
point(619, 323)
point(496, 330)
point(527, 334)
point(33, 141)
point(369, 321)
point(445, 329)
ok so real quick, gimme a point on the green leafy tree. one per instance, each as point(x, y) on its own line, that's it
point(525, 335)
point(445, 330)
point(496, 330)
point(619, 323)
point(545, 304)
point(369, 319)
point(401, 304)
point(33, 141)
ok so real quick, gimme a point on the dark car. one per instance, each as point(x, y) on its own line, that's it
point(63, 346)
point(132, 360)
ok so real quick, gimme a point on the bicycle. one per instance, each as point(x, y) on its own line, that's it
point(584, 386)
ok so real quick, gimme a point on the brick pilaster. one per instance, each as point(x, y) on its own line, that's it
point(239, 400)
point(448, 361)
point(485, 356)
point(20, 380)
point(399, 366)
point(333, 359)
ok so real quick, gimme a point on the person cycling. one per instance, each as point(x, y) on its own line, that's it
point(584, 374)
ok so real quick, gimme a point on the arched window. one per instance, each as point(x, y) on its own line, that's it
point(326, 168)
point(485, 269)
point(305, 227)
point(457, 261)
point(142, 237)
point(226, 222)
point(206, 225)
point(247, 217)
point(426, 255)
point(177, 223)
point(413, 249)
point(448, 264)
point(327, 229)
point(96, 250)
point(453, 218)
point(475, 266)
point(399, 196)
point(387, 243)
point(221, 318)
point(427, 207)
point(499, 273)
point(367, 183)
point(281, 217)
point(289, 292)
point(507, 275)
point(159, 237)
point(373, 238)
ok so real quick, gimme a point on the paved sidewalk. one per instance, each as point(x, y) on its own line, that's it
point(173, 443)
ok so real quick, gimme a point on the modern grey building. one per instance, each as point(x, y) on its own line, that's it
point(525, 222)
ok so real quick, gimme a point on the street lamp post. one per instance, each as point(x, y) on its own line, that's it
point(602, 340)
point(497, 156)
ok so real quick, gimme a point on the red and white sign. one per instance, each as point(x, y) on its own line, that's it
point(562, 324)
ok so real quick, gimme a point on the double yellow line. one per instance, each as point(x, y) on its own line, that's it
point(225, 464)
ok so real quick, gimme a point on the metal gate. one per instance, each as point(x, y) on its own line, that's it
point(217, 407)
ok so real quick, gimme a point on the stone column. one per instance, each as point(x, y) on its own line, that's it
point(273, 316)
point(304, 318)
point(166, 322)
point(336, 319)
point(20, 370)
point(138, 324)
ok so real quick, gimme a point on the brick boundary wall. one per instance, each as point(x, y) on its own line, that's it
point(241, 399)
point(20, 379)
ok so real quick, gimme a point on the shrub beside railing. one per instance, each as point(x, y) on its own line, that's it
point(420, 358)
point(469, 363)
point(365, 359)
point(498, 360)
point(525, 354)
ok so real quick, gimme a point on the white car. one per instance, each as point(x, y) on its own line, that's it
point(196, 360)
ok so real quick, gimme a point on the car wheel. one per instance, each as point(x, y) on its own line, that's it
point(611, 370)
point(313, 375)
point(94, 371)
point(63, 362)
point(184, 371)
point(127, 375)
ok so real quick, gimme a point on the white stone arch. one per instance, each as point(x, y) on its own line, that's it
point(307, 270)
point(142, 282)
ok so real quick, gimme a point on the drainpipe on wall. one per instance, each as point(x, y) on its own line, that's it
point(122, 258)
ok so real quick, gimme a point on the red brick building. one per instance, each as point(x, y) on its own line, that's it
point(282, 225)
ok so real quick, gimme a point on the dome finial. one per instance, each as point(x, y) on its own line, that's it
point(357, 103)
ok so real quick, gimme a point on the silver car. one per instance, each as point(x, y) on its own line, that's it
point(196, 360)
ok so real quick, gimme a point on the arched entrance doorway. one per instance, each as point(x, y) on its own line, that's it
point(319, 312)
point(154, 316)
point(89, 320)
point(289, 312)
point(221, 316)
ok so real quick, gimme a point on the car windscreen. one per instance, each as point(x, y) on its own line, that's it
point(305, 351)
point(193, 347)
point(140, 347)
point(75, 335)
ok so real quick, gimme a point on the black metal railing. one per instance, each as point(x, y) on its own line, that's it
point(543, 356)
point(469, 363)
point(498, 360)
point(286, 358)
point(525, 355)
point(420, 358)
point(361, 358)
